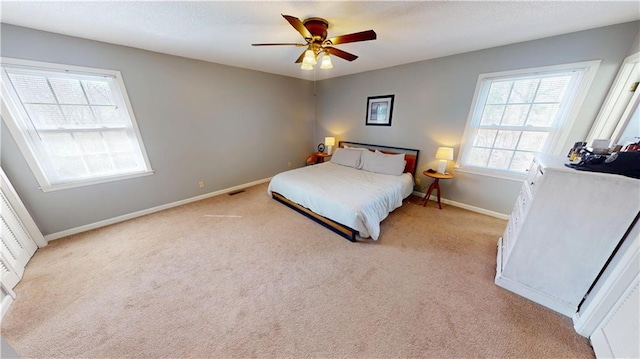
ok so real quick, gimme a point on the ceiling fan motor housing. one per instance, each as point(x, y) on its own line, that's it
point(317, 27)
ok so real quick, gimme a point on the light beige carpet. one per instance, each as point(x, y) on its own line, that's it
point(244, 276)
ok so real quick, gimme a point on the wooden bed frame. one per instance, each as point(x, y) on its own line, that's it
point(411, 156)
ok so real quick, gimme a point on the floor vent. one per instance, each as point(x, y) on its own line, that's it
point(236, 192)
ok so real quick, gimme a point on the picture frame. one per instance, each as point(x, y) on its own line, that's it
point(379, 110)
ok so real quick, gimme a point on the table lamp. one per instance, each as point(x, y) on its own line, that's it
point(329, 142)
point(444, 154)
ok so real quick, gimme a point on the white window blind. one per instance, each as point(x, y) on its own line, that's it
point(75, 127)
point(518, 115)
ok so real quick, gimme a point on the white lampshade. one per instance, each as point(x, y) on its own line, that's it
point(309, 58)
point(444, 153)
point(306, 66)
point(326, 62)
point(329, 142)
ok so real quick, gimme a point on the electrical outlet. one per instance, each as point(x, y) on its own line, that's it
point(418, 181)
point(201, 184)
point(289, 164)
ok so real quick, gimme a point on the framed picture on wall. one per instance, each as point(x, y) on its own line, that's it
point(379, 110)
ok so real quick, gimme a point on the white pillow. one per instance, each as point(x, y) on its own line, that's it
point(379, 162)
point(356, 148)
point(347, 157)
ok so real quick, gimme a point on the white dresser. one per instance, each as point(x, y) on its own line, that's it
point(564, 227)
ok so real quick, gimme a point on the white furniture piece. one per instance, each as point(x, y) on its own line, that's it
point(614, 309)
point(564, 227)
point(19, 238)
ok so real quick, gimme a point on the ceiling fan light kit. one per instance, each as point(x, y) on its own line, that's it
point(314, 32)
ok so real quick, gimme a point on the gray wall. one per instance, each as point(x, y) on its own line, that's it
point(228, 126)
point(199, 122)
point(433, 99)
point(636, 43)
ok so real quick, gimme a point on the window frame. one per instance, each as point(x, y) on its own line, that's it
point(557, 143)
point(619, 105)
point(31, 154)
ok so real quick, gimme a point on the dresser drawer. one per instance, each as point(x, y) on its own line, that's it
point(516, 218)
point(507, 241)
point(524, 200)
point(534, 176)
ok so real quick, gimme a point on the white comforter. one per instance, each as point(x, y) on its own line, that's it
point(355, 198)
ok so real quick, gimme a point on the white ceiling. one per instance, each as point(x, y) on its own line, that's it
point(223, 31)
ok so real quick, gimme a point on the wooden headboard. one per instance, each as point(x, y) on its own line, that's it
point(410, 155)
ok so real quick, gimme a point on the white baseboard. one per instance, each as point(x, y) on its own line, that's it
point(465, 206)
point(535, 295)
point(106, 222)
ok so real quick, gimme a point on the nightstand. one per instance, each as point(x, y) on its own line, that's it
point(435, 185)
point(323, 157)
point(318, 157)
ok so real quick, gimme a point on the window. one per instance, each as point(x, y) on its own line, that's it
point(74, 125)
point(518, 114)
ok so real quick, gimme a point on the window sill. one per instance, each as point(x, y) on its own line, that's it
point(74, 184)
point(516, 177)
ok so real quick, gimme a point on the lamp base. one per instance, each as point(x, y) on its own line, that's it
point(329, 148)
point(442, 167)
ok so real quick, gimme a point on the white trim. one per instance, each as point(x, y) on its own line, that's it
point(511, 176)
point(57, 66)
point(8, 299)
point(74, 184)
point(556, 146)
point(106, 222)
point(144, 212)
point(22, 144)
point(468, 130)
point(540, 69)
point(610, 110)
point(599, 340)
point(590, 74)
point(627, 115)
point(588, 319)
point(31, 155)
point(134, 122)
point(21, 210)
point(465, 206)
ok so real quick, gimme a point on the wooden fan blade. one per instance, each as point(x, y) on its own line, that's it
point(280, 44)
point(299, 60)
point(343, 54)
point(298, 25)
point(355, 37)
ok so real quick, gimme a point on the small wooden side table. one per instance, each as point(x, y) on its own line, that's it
point(435, 185)
point(318, 157)
point(322, 157)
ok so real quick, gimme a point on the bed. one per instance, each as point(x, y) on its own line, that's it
point(354, 191)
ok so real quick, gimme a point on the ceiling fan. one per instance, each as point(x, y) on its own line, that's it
point(314, 32)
